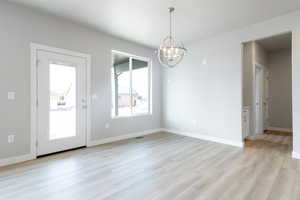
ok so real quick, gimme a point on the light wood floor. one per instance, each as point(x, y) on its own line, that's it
point(160, 167)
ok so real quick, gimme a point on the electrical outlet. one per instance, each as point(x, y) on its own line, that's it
point(107, 125)
point(11, 139)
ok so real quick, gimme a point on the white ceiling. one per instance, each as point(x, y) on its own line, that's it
point(146, 21)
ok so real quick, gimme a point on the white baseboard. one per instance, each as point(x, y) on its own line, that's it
point(296, 155)
point(206, 137)
point(23, 158)
point(16, 159)
point(272, 128)
point(122, 137)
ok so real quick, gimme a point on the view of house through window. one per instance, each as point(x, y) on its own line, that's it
point(130, 86)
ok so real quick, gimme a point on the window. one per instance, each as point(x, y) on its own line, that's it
point(131, 78)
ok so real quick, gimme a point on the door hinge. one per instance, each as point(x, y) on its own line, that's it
point(37, 103)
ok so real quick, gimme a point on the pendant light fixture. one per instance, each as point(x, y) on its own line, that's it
point(171, 53)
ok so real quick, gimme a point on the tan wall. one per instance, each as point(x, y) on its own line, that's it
point(260, 54)
point(280, 89)
point(247, 73)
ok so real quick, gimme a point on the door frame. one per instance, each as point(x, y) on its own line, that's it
point(262, 67)
point(34, 47)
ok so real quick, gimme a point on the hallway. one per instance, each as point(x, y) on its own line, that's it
point(272, 140)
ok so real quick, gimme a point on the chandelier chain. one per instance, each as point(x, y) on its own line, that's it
point(171, 10)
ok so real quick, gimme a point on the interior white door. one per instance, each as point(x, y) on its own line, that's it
point(61, 110)
point(259, 88)
point(266, 98)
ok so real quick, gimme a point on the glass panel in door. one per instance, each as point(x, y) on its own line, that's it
point(62, 98)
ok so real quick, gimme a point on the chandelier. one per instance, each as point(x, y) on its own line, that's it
point(171, 53)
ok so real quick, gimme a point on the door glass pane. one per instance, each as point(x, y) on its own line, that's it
point(62, 118)
point(121, 86)
point(140, 87)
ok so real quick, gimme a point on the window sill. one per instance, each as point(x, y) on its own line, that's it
point(132, 116)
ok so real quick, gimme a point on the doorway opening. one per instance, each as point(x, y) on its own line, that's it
point(267, 92)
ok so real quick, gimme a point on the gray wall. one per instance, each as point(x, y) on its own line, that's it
point(197, 97)
point(19, 27)
point(280, 67)
point(207, 98)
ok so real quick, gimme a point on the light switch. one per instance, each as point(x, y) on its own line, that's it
point(11, 95)
point(11, 139)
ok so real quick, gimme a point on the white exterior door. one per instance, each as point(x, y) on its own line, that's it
point(61, 109)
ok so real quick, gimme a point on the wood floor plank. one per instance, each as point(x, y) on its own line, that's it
point(161, 166)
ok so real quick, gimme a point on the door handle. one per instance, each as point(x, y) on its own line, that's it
point(84, 107)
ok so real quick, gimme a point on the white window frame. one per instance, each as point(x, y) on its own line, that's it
point(131, 56)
